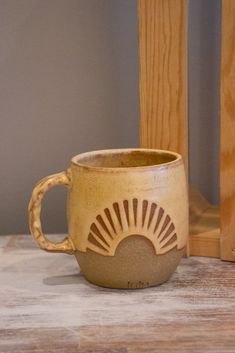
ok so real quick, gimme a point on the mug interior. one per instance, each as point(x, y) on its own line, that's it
point(125, 158)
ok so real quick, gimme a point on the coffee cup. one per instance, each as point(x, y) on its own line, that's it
point(127, 213)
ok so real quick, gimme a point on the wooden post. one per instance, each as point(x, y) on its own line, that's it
point(227, 168)
point(163, 75)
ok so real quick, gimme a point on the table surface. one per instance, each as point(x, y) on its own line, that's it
point(46, 305)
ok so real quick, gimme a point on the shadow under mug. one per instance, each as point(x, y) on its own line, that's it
point(127, 215)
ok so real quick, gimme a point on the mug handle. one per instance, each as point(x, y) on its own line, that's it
point(34, 210)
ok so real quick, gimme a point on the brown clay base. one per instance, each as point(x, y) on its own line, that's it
point(135, 265)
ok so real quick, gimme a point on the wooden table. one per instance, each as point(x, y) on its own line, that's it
point(47, 306)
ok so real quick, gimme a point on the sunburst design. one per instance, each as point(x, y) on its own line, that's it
point(129, 217)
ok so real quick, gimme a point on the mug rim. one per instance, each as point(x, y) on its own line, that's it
point(175, 161)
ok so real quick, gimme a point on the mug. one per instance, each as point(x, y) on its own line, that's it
point(127, 213)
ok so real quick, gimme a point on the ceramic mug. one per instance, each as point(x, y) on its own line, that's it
point(127, 214)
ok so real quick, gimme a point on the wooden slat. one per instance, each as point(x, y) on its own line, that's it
point(227, 177)
point(163, 74)
point(205, 244)
point(204, 227)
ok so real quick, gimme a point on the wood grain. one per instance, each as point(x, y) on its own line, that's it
point(47, 306)
point(227, 176)
point(205, 244)
point(204, 230)
point(163, 75)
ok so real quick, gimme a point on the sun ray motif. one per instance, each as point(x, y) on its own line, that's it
point(132, 217)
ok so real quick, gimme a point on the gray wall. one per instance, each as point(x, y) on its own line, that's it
point(204, 79)
point(69, 83)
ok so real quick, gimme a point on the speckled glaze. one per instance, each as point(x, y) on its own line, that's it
point(127, 215)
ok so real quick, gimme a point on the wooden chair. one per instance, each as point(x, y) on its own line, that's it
point(164, 121)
